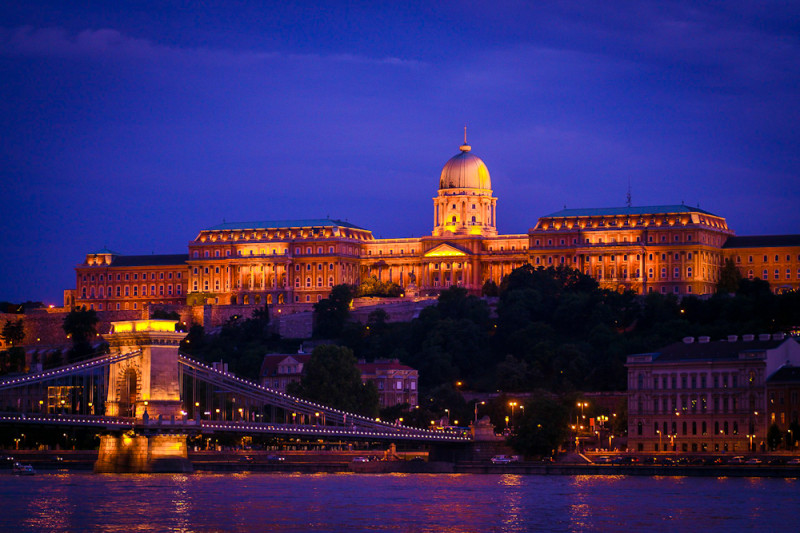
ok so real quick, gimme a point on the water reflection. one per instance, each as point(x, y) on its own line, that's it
point(391, 502)
point(50, 508)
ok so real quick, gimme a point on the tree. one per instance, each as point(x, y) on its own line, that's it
point(80, 325)
point(729, 277)
point(542, 427)
point(489, 288)
point(372, 286)
point(331, 378)
point(13, 332)
point(774, 437)
point(162, 314)
point(331, 313)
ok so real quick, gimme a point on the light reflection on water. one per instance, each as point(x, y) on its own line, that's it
point(392, 502)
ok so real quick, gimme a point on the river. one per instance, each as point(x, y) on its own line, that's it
point(76, 501)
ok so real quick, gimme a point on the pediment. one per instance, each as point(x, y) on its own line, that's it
point(446, 250)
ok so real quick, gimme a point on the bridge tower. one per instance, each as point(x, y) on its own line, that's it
point(146, 388)
point(149, 382)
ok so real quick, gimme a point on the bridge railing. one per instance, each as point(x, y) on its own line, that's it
point(80, 367)
point(332, 416)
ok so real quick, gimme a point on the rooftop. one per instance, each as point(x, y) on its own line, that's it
point(381, 364)
point(280, 224)
point(269, 366)
point(621, 211)
point(786, 373)
point(714, 350)
point(149, 260)
point(762, 241)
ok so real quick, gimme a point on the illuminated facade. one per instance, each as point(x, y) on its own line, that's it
point(670, 249)
point(700, 395)
point(667, 249)
point(108, 281)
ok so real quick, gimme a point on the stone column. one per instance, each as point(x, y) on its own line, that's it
point(150, 383)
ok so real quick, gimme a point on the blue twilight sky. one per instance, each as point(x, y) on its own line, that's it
point(133, 125)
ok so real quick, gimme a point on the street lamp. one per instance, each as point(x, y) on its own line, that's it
point(513, 405)
point(476, 410)
point(659, 439)
point(448, 416)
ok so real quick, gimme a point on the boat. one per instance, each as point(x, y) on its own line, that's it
point(23, 470)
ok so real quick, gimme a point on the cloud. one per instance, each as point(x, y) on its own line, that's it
point(107, 43)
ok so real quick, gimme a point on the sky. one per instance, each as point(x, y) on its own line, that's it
point(134, 125)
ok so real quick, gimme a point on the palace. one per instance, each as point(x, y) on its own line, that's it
point(293, 263)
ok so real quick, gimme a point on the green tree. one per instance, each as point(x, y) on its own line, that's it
point(372, 286)
point(13, 332)
point(774, 437)
point(729, 277)
point(331, 378)
point(80, 325)
point(489, 288)
point(330, 314)
point(162, 314)
point(542, 428)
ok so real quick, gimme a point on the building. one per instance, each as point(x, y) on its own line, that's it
point(279, 370)
point(772, 258)
point(292, 264)
point(108, 281)
point(396, 383)
point(700, 395)
point(667, 249)
point(783, 401)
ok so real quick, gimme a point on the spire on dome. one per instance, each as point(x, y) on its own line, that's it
point(465, 147)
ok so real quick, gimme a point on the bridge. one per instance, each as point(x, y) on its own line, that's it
point(146, 398)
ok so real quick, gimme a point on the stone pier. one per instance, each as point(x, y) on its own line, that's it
point(145, 388)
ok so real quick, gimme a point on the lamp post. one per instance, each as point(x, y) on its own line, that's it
point(513, 405)
point(476, 410)
point(755, 413)
point(659, 440)
point(448, 416)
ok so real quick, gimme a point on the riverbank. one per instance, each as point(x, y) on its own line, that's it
point(377, 462)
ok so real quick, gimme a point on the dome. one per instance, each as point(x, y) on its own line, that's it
point(465, 171)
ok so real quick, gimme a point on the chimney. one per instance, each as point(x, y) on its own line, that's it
point(748, 337)
point(688, 340)
point(703, 339)
point(764, 337)
point(732, 338)
point(778, 336)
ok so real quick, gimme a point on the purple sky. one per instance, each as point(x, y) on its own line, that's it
point(133, 126)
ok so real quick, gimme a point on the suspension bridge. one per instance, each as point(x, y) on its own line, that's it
point(145, 397)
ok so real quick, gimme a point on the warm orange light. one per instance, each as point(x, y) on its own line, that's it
point(144, 325)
